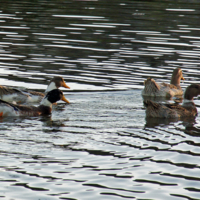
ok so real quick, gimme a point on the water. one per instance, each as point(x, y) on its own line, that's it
point(100, 146)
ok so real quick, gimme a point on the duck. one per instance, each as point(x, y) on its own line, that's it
point(21, 96)
point(186, 110)
point(45, 107)
point(154, 89)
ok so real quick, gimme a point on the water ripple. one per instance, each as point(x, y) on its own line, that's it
point(101, 145)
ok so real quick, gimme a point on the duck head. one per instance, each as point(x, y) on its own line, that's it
point(192, 91)
point(52, 97)
point(177, 76)
point(55, 83)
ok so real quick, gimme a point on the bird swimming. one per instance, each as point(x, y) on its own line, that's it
point(154, 89)
point(45, 107)
point(11, 94)
point(187, 109)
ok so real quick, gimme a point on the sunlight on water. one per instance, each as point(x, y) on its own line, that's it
point(184, 10)
point(79, 16)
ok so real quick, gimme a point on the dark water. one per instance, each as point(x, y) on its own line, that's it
point(100, 146)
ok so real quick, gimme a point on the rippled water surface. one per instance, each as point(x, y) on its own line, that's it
point(100, 146)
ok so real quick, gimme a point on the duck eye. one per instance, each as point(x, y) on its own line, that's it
point(197, 87)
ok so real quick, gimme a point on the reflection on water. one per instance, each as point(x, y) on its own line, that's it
point(97, 47)
point(188, 126)
point(101, 145)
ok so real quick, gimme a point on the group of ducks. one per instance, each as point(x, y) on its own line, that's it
point(153, 89)
point(8, 95)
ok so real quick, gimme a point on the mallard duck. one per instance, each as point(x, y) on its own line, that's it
point(45, 107)
point(11, 94)
point(153, 89)
point(187, 109)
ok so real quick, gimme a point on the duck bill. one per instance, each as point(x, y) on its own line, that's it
point(182, 78)
point(65, 85)
point(65, 100)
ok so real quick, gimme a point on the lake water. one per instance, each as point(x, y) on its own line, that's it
point(100, 146)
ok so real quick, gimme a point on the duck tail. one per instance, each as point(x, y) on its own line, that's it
point(150, 86)
point(15, 107)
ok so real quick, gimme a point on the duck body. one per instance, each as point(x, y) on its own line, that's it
point(159, 110)
point(154, 89)
point(9, 109)
point(187, 109)
point(11, 94)
point(45, 107)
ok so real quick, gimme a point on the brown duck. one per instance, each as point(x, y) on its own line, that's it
point(187, 109)
point(154, 89)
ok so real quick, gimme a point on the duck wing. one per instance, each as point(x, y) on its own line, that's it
point(9, 90)
point(20, 95)
point(171, 86)
point(35, 93)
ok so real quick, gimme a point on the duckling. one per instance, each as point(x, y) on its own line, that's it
point(11, 94)
point(153, 89)
point(45, 107)
point(187, 109)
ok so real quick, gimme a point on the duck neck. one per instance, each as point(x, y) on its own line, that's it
point(51, 86)
point(46, 102)
point(44, 110)
point(189, 95)
point(175, 81)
